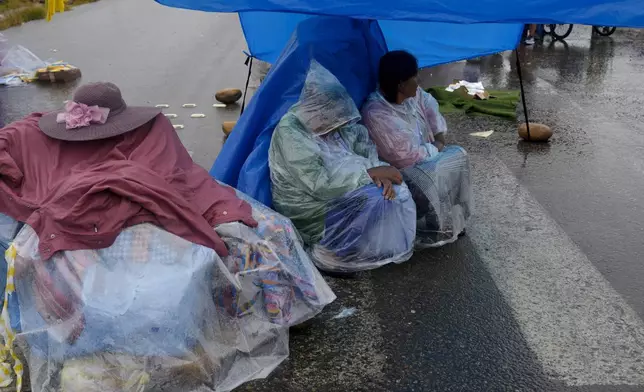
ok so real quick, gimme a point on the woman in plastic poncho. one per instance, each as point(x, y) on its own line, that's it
point(409, 132)
point(352, 210)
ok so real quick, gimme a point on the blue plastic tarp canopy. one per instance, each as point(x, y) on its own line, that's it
point(623, 13)
point(349, 48)
point(289, 33)
point(432, 43)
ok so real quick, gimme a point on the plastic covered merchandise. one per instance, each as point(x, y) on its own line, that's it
point(319, 158)
point(439, 181)
point(20, 58)
point(8, 229)
point(277, 279)
point(144, 314)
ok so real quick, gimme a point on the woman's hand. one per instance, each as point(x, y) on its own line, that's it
point(385, 172)
point(385, 177)
point(387, 189)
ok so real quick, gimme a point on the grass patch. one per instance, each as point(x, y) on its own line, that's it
point(16, 17)
point(16, 12)
point(33, 13)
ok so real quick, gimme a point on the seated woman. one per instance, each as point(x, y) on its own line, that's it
point(409, 132)
point(352, 210)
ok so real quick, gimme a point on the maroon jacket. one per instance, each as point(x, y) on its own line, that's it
point(80, 195)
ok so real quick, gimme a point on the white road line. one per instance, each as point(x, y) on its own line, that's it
point(580, 328)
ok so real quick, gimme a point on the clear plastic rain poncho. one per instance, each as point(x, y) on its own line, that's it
point(154, 312)
point(319, 157)
point(439, 181)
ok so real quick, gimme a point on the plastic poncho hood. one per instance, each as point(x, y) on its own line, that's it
point(319, 152)
point(324, 104)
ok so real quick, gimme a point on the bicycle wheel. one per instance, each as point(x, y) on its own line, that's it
point(604, 30)
point(560, 31)
point(547, 29)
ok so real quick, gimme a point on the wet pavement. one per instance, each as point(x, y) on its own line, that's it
point(544, 294)
point(155, 54)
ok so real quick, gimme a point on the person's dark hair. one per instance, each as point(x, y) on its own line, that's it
point(395, 67)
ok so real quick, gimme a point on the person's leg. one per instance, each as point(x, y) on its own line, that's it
point(363, 230)
point(445, 181)
point(532, 31)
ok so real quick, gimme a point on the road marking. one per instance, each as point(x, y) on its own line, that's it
point(580, 328)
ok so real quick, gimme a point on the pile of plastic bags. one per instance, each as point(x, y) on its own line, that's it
point(154, 312)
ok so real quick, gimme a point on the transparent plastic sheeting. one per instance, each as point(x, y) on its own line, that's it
point(439, 182)
point(8, 229)
point(349, 48)
point(154, 312)
point(319, 158)
point(21, 59)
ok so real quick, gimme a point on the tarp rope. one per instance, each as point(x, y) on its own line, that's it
point(525, 106)
point(249, 64)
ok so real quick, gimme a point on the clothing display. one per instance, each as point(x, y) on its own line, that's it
point(318, 158)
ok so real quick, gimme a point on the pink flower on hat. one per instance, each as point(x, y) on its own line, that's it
point(78, 115)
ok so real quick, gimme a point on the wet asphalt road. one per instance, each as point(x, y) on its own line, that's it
point(156, 55)
point(544, 294)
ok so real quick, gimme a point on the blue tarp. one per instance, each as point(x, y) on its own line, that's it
point(622, 13)
point(432, 43)
point(349, 48)
point(436, 31)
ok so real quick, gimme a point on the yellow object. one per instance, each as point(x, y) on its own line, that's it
point(53, 6)
point(105, 373)
point(54, 68)
point(5, 329)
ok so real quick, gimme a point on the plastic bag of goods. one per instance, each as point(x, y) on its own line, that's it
point(278, 281)
point(8, 229)
point(20, 58)
point(139, 315)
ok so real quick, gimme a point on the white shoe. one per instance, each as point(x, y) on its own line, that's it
point(529, 41)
